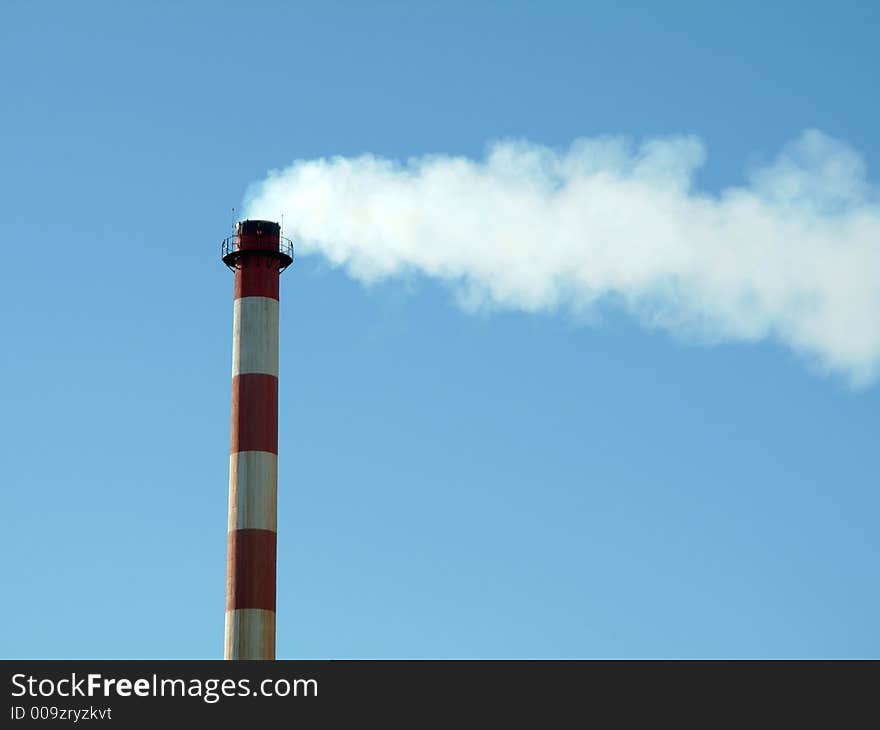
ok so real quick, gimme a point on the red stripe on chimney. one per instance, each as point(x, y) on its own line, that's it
point(250, 569)
point(254, 413)
point(257, 275)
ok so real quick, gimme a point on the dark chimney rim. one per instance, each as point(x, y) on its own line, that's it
point(252, 226)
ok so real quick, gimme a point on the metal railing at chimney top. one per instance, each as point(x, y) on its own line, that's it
point(231, 246)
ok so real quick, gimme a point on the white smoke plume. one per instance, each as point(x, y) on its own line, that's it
point(793, 256)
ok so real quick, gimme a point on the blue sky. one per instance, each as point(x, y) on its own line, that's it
point(451, 484)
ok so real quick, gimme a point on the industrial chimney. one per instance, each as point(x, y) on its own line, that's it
point(257, 253)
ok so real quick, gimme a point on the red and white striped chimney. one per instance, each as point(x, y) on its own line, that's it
point(258, 254)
